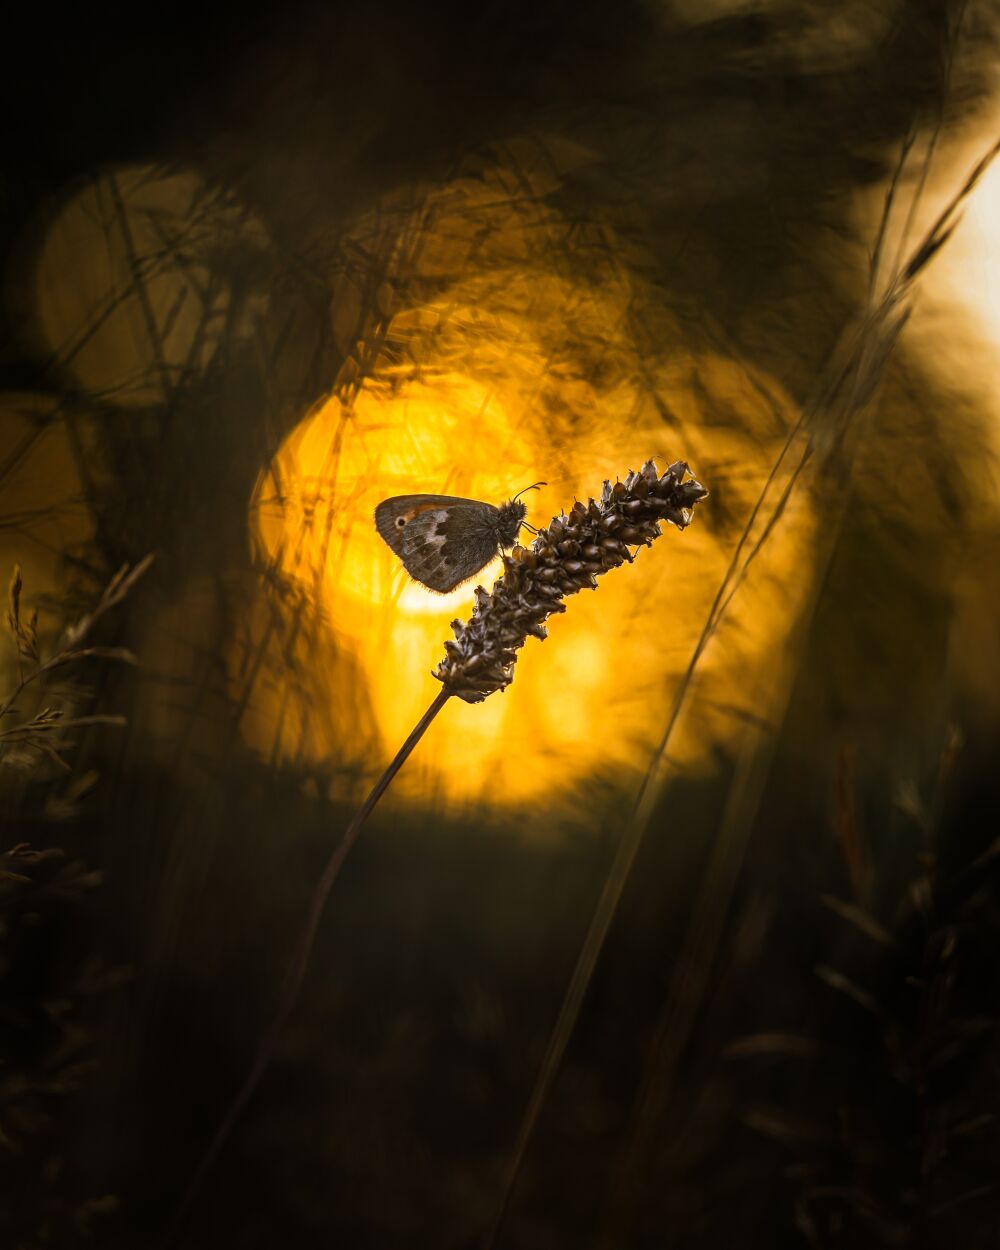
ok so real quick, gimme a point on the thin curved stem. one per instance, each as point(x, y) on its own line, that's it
point(296, 971)
point(625, 855)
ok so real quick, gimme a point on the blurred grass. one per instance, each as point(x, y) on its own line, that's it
point(51, 974)
point(726, 159)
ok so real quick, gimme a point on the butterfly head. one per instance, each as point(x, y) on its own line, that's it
point(510, 518)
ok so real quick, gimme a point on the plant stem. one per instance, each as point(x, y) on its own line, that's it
point(297, 970)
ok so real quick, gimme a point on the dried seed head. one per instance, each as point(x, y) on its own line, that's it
point(568, 556)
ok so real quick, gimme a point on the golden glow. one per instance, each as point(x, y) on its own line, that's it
point(953, 337)
point(128, 298)
point(956, 334)
point(512, 369)
point(958, 322)
point(954, 330)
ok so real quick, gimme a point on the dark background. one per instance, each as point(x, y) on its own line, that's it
point(389, 1114)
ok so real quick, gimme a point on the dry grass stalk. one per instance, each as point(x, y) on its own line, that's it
point(565, 557)
point(826, 433)
point(38, 734)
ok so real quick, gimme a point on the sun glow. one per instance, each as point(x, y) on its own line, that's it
point(365, 637)
point(517, 349)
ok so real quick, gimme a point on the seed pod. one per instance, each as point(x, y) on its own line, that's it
point(567, 556)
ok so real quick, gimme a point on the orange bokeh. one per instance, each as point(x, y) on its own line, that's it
point(514, 368)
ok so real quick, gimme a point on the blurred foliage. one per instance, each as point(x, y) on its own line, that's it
point(50, 975)
point(651, 222)
point(892, 1140)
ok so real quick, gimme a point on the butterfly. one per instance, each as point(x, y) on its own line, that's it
point(443, 540)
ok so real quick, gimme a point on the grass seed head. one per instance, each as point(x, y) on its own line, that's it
point(569, 555)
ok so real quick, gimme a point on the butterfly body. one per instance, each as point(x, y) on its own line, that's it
point(443, 540)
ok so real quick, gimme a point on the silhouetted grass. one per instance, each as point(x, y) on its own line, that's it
point(389, 1114)
point(826, 430)
point(50, 976)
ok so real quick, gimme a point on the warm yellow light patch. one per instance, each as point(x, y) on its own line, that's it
point(955, 334)
point(521, 354)
point(367, 636)
point(954, 329)
point(131, 295)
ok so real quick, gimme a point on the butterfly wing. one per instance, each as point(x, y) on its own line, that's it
point(442, 540)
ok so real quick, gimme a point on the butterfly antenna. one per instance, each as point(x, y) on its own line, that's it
point(533, 486)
